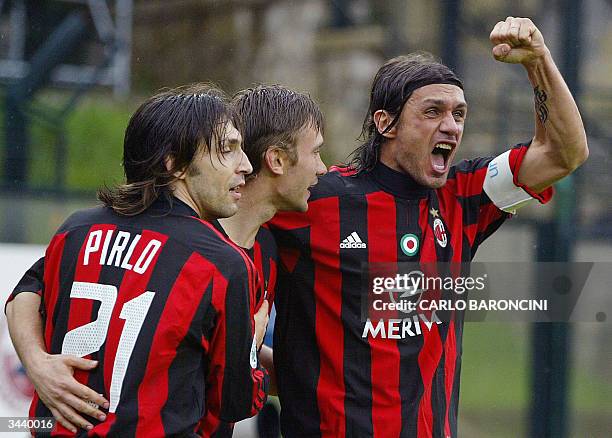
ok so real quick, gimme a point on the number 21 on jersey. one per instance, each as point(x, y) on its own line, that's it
point(90, 337)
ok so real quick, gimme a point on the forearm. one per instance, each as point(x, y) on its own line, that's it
point(559, 129)
point(26, 327)
point(559, 145)
point(51, 375)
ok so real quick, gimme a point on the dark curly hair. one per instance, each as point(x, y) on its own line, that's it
point(172, 124)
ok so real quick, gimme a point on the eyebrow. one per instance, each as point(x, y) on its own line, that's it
point(440, 102)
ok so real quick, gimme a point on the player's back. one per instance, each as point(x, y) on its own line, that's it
point(146, 297)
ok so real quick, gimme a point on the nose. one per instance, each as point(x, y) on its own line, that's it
point(321, 168)
point(449, 125)
point(245, 165)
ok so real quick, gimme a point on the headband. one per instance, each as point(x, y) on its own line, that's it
point(411, 86)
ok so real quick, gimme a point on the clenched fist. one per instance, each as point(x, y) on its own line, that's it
point(517, 41)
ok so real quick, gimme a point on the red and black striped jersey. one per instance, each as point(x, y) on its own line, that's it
point(333, 380)
point(32, 280)
point(164, 302)
point(265, 257)
point(264, 254)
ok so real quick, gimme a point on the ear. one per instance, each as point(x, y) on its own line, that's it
point(382, 120)
point(169, 163)
point(275, 160)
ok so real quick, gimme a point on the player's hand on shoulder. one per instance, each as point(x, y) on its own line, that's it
point(517, 41)
point(66, 398)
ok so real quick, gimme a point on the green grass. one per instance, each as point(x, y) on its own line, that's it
point(496, 371)
point(496, 387)
point(495, 366)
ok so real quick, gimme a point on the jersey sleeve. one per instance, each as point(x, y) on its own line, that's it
point(501, 182)
point(32, 281)
point(243, 381)
point(489, 192)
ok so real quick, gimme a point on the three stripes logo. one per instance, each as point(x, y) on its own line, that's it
point(352, 241)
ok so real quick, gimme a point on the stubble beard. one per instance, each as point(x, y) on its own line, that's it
point(424, 180)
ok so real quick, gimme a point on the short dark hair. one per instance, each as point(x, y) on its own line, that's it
point(392, 87)
point(174, 124)
point(274, 115)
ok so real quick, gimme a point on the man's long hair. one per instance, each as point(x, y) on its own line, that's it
point(167, 130)
point(392, 87)
point(273, 116)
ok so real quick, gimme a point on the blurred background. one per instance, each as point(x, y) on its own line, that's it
point(72, 72)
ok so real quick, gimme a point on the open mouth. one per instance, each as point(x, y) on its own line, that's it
point(235, 191)
point(440, 156)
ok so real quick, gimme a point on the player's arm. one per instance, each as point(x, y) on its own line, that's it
point(559, 145)
point(51, 375)
point(266, 357)
point(245, 381)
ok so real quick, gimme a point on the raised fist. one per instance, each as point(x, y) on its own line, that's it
point(517, 41)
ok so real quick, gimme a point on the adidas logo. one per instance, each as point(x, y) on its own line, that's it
point(352, 241)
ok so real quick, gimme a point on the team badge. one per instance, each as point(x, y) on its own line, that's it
point(440, 232)
point(409, 244)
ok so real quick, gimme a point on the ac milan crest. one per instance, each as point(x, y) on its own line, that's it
point(440, 232)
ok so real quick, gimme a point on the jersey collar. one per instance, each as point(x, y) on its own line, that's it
point(215, 223)
point(173, 205)
point(397, 183)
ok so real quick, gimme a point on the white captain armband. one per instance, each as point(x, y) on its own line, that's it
point(499, 185)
